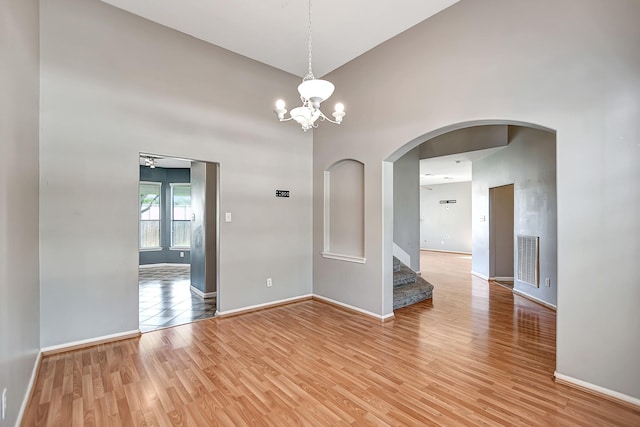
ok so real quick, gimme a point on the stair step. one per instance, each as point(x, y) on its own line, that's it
point(412, 293)
point(404, 276)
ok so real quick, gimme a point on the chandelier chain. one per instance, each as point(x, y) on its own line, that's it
point(310, 75)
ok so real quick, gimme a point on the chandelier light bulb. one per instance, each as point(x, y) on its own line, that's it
point(280, 104)
point(339, 107)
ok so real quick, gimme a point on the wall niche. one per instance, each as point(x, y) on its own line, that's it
point(344, 211)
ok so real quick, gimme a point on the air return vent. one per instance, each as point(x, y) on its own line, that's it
point(528, 263)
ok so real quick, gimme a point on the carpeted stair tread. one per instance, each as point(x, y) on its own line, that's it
point(404, 276)
point(408, 287)
point(412, 293)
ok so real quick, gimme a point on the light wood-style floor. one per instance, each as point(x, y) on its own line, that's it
point(475, 355)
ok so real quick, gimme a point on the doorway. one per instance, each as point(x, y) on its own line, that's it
point(173, 192)
point(501, 211)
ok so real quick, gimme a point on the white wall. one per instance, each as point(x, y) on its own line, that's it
point(528, 162)
point(406, 205)
point(572, 66)
point(446, 227)
point(19, 270)
point(114, 85)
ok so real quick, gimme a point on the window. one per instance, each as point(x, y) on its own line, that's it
point(150, 215)
point(180, 215)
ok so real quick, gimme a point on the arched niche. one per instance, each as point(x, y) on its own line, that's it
point(344, 211)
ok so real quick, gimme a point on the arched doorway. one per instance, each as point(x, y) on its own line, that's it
point(528, 163)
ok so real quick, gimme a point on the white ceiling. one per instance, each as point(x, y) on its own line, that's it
point(275, 31)
point(453, 168)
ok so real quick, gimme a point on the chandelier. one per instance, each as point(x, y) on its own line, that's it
point(312, 93)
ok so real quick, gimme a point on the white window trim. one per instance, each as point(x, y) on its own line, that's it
point(171, 245)
point(156, 248)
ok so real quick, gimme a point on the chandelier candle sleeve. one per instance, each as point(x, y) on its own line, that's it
point(312, 93)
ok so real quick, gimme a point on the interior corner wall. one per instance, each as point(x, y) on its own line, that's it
point(204, 226)
point(571, 66)
point(19, 259)
point(446, 227)
point(406, 205)
point(166, 177)
point(528, 162)
point(114, 85)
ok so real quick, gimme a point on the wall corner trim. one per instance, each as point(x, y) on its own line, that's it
point(75, 345)
point(201, 294)
point(534, 299)
point(482, 276)
point(30, 388)
point(597, 390)
point(382, 318)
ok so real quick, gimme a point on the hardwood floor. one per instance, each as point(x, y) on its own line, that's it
point(475, 354)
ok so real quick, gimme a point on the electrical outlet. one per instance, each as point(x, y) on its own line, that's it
point(269, 282)
point(547, 282)
point(181, 254)
point(4, 404)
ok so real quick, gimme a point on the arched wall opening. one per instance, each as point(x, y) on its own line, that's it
point(528, 161)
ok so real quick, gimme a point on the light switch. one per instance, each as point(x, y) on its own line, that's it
point(227, 216)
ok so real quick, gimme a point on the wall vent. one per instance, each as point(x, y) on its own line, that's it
point(528, 262)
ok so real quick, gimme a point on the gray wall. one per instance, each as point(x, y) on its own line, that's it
point(446, 227)
point(528, 162)
point(166, 177)
point(204, 226)
point(19, 270)
point(464, 140)
point(115, 85)
point(572, 66)
point(406, 205)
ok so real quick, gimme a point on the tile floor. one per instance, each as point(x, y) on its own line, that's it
point(166, 298)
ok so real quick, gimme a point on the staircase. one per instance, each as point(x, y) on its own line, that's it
point(408, 287)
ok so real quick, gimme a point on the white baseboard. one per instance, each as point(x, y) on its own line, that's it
point(257, 307)
point(446, 251)
point(482, 276)
point(353, 308)
point(201, 294)
point(164, 264)
point(597, 390)
point(30, 388)
point(502, 278)
point(61, 348)
point(534, 299)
